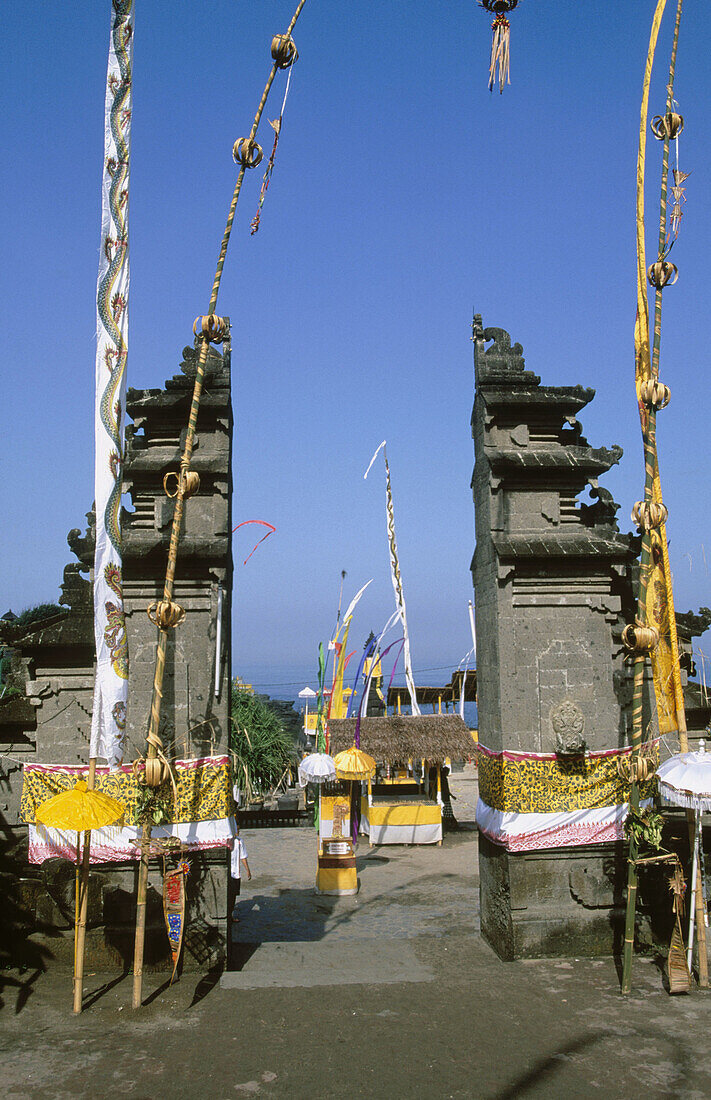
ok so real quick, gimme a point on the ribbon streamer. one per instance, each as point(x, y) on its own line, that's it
point(264, 523)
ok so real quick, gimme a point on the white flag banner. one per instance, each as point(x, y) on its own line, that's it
point(108, 724)
point(396, 578)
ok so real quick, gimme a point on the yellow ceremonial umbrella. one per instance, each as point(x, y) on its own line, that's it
point(80, 810)
point(354, 764)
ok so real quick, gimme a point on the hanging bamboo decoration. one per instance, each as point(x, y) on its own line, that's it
point(654, 633)
point(500, 42)
point(167, 614)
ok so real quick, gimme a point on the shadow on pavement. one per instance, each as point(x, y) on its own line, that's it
point(207, 983)
point(544, 1068)
point(539, 1079)
point(96, 994)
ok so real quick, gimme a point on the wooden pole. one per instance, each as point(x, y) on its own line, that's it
point(153, 738)
point(82, 902)
point(642, 365)
point(699, 906)
point(653, 493)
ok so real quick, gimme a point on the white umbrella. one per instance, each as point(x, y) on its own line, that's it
point(317, 767)
point(307, 693)
point(685, 780)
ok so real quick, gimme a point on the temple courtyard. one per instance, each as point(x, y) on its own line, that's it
point(390, 993)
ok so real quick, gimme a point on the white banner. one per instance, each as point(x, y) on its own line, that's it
point(108, 724)
point(396, 578)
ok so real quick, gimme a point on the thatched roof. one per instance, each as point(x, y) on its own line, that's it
point(401, 737)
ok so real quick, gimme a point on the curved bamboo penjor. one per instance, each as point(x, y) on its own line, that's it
point(166, 614)
point(653, 636)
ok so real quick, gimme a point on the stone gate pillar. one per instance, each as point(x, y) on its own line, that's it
point(196, 689)
point(553, 593)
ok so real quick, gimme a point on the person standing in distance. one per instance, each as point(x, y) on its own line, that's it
point(238, 857)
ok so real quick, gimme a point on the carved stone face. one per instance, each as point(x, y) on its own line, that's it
point(568, 723)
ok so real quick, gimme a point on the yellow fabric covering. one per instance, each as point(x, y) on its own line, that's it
point(204, 789)
point(405, 813)
point(553, 784)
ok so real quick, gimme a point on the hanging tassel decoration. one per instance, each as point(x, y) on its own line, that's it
point(254, 224)
point(679, 196)
point(500, 52)
point(500, 42)
point(266, 179)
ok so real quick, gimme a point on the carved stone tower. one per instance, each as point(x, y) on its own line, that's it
point(195, 709)
point(553, 593)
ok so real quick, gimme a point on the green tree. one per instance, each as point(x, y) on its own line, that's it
point(263, 748)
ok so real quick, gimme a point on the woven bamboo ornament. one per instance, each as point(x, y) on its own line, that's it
point(661, 274)
point(189, 486)
point(655, 394)
point(211, 328)
point(247, 152)
point(636, 769)
point(640, 639)
point(667, 126)
point(157, 771)
point(154, 769)
point(166, 614)
point(648, 514)
point(284, 51)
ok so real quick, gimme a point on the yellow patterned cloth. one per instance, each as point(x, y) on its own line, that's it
point(660, 601)
point(204, 788)
point(545, 783)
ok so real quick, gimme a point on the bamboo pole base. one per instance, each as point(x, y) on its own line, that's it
point(81, 906)
point(141, 919)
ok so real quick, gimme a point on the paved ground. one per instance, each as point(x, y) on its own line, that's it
point(414, 1003)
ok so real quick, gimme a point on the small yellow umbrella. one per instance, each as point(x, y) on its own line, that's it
point(354, 764)
point(80, 810)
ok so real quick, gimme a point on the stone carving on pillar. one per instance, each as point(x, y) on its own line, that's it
point(568, 723)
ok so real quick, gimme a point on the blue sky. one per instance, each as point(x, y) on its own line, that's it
point(404, 198)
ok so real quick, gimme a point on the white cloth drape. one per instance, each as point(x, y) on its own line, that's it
point(532, 832)
point(113, 845)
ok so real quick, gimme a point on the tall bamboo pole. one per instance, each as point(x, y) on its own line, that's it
point(647, 367)
point(82, 904)
point(656, 347)
point(154, 743)
point(641, 351)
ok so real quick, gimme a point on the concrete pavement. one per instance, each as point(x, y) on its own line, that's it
point(388, 994)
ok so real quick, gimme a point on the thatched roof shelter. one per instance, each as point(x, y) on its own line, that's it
point(401, 737)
